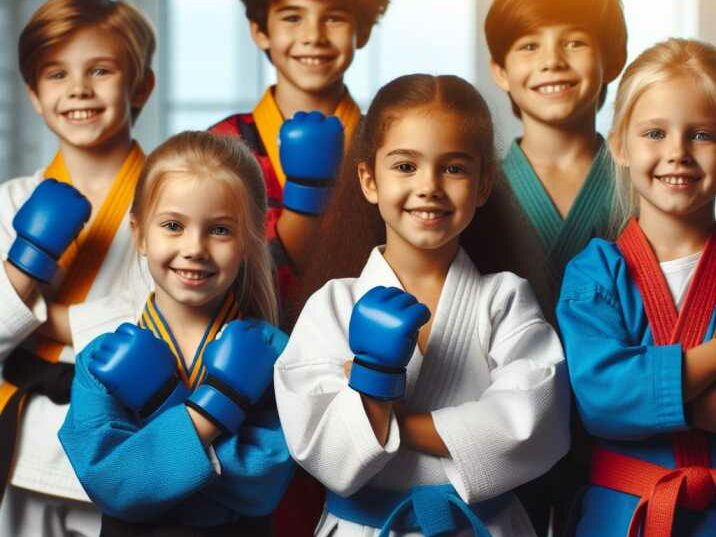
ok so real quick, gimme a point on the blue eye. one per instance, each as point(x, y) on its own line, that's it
point(56, 75)
point(99, 71)
point(172, 226)
point(703, 136)
point(655, 134)
point(221, 230)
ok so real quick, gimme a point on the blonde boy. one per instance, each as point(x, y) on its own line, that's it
point(87, 67)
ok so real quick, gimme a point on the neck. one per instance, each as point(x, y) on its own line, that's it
point(182, 318)
point(94, 170)
point(673, 237)
point(416, 267)
point(290, 99)
point(559, 146)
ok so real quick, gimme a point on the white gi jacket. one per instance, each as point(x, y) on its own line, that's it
point(41, 464)
point(493, 377)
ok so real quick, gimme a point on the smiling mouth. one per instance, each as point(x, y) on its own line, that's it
point(428, 215)
point(555, 88)
point(677, 180)
point(313, 61)
point(196, 276)
point(81, 115)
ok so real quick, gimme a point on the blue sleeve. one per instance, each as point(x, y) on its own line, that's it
point(256, 466)
point(131, 473)
point(624, 389)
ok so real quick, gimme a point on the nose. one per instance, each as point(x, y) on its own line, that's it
point(430, 185)
point(552, 56)
point(313, 31)
point(80, 87)
point(193, 245)
point(679, 151)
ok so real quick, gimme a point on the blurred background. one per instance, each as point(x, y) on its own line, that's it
point(207, 66)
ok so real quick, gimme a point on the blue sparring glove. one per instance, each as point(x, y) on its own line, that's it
point(311, 150)
point(239, 369)
point(46, 224)
point(382, 334)
point(137, 369)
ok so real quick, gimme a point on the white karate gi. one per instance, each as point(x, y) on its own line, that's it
point(493, 377)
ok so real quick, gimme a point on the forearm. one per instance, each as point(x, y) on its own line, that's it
point(297, 234)
point(25, 286)
point(699, 369)
point(418, 432)
point(205, 428)
point(378, 413)
point(57, 326)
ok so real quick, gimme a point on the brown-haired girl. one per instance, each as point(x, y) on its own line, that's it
point(171, 423)
point(434, 443)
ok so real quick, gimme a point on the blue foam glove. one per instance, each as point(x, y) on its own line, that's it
point(46, 224)
point(239, 369)
point(138, 369)
point(311, 150)
point(382, 334)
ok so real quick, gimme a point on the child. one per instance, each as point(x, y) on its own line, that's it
point(311, 44)
point(554, 58)
point(635, 314)
point(483, 405)
point(87, 66)
point(218, 464)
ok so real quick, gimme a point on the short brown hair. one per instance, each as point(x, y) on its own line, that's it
point(366, 11)
point(56, 20)
point(508, 20)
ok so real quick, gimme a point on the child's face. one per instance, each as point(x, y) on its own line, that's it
point(83, 91)
point(426, 180)
point(554, 75)
point(670, 149)
point(311, 42)
point(192, 242)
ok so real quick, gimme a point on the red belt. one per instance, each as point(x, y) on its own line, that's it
point(659, 489)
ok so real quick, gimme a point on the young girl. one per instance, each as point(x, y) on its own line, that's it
point(634, 314)
point(482, 406)
point(218, 463)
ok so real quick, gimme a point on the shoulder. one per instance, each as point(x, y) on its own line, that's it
point(599, 259)
point(506, 291)
point(19, 188)
point(231, 125)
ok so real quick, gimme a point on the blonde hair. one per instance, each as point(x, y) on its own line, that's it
point(665, 61)
point(56, 20)
point(207, 156)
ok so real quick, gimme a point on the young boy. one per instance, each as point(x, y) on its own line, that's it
point(311, 44)
point(554, 58)
point(87, 67)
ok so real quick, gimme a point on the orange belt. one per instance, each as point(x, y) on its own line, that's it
point(691, 483)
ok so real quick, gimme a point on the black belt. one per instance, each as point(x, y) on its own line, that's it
point(32, 375)
point(245, 527)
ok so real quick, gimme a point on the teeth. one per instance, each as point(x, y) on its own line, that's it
point(427, 215)
point(312, 60)
point(553, 88)
point(676, 180)
point(192, 274)
point(81, 114)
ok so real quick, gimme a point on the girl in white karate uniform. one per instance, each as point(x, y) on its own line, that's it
point(429, 437)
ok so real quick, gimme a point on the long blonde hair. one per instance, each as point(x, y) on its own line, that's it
point(660, 63)
point(226, 159)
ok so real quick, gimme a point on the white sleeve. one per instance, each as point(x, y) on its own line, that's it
point(519, 426)
point(326, 427)
point(17, 320)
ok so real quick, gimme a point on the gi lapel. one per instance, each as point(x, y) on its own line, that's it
point(192, 372)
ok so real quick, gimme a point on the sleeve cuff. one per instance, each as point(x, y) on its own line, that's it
point(668, 386)
point(17, 319)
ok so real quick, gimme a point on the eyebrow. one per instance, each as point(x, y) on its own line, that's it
point(109, 59)
point(411, 153)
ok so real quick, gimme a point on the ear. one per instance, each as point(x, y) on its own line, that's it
point(143, 90)
point(260, 37)
point(367, 183)
point(499, 75)
point(362, 36)
point(137, 236)
point(485, 189)
point(618, 154)
point(34, 99)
